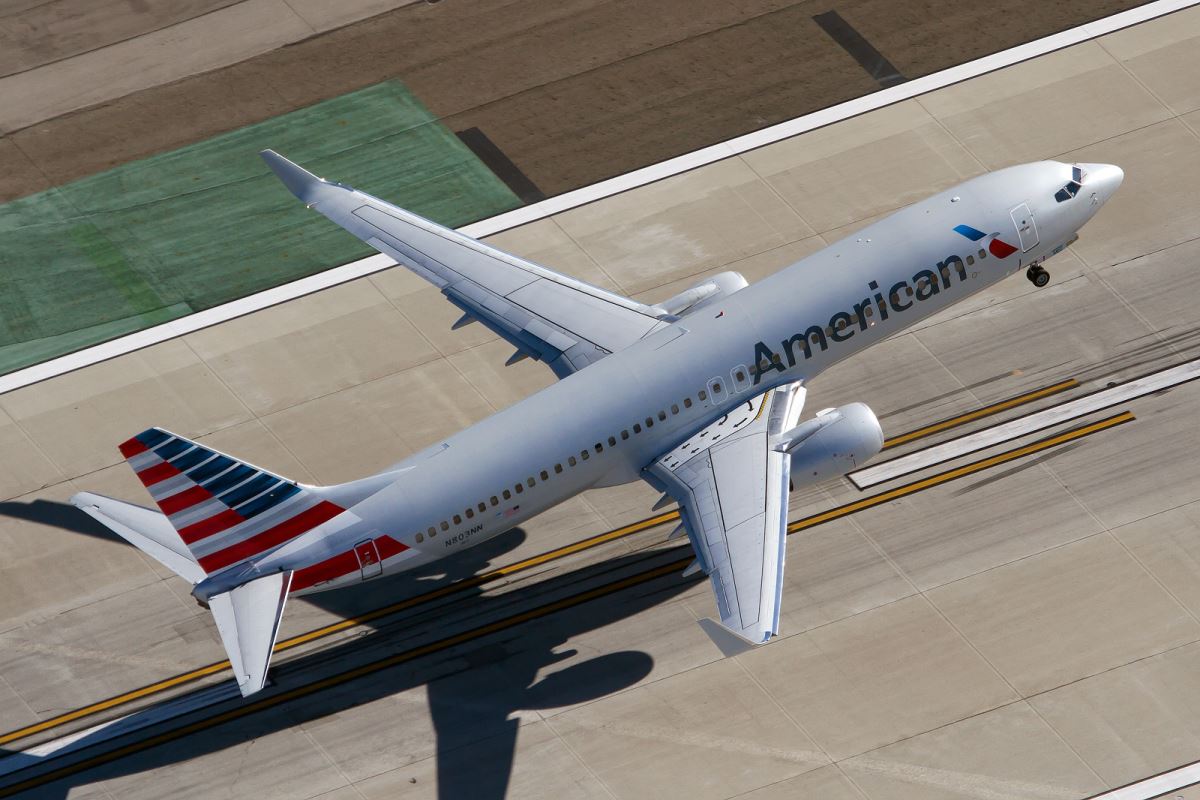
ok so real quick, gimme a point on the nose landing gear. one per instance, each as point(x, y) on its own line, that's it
point(1037, 276)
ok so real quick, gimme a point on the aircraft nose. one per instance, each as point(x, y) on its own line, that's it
point(1103, 179)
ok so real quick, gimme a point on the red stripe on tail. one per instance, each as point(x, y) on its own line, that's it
point(207, 527)
point(185, 499)
point(288, 529)
point(157, 474)
point(132, 448)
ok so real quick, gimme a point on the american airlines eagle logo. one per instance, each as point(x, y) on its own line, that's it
point(997, 246)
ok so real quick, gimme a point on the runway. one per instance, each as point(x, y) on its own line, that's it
point(108, 705)
point(1019, 622)
point(44, 759)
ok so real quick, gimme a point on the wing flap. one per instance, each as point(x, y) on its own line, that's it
point(732, 491)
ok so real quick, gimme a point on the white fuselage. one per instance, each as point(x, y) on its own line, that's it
point(604, 424)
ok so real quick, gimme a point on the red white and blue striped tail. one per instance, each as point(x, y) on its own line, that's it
point(225, 510)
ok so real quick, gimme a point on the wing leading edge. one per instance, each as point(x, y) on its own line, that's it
point(547, 316)
point(732, 490)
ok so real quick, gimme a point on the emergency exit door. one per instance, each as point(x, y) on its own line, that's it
point(368, 559)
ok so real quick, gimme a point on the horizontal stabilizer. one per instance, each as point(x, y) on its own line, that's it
point(248, 620)
point(148, 530)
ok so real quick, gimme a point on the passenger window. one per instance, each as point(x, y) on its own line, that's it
point(982, 254)
point(970, 260)
point(662, 415)
point(637, 428)
point(739, 376)
point(482, 507)
point(687, 402)
point(612, 441)
point(432, 531)
point(420, 537)
point(674, 409)
point(507, 494)
point(545, 475)
point(445, 525)
point(470, 514)
point(495, 501)
point(519, 487)
point(703, 395)
point(457, 519)
point(529, 482)
point(557, 469)
point(624, 435)
point(571, 461)
point(584, 455)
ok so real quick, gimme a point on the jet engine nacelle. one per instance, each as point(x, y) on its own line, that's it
point(703, 294)
point(832, 443)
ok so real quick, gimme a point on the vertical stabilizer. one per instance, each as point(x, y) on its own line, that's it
point(225, 510)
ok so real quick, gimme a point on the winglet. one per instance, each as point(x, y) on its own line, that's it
point(298, 180)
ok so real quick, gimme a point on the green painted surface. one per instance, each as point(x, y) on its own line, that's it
point(154, 240)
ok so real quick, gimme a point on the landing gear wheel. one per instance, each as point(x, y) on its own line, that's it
point(1037, 276)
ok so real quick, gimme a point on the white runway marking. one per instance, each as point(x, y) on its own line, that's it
point(597, 191)
point(1156, 786)
point(998, 434)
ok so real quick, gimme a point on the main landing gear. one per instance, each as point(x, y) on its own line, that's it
point(1037, 276)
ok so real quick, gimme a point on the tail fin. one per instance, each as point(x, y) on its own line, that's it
point(217, 511)
point(225, 510)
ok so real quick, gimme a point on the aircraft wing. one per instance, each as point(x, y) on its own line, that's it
point(564, 322)
point(732, 490)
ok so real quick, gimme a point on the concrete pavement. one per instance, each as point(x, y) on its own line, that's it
point(1027, 633)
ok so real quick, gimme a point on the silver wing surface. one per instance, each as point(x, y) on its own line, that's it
point(561, 321)
point(732, 490)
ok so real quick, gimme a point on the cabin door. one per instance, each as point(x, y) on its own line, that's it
point(368, 559)
point(1022, 217)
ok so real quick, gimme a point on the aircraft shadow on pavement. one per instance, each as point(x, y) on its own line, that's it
point(58, 515)
point(473, 690)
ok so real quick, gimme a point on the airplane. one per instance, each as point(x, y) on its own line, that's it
point(700, 395)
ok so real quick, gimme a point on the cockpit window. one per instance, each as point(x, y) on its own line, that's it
point(1074, 187)
point(1068, 191)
